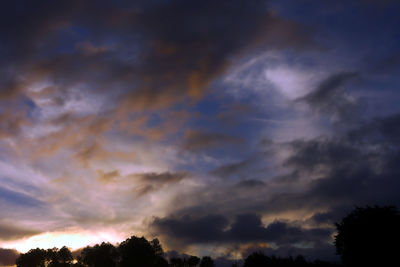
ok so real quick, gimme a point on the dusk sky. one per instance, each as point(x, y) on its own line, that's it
point(220, 127)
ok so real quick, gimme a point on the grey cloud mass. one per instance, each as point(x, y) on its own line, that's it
point(245, 228)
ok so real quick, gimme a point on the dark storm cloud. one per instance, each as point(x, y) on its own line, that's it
point(192, 42)
point(248, 227)
point(9, 231)
point(156, 52)
point(28, 31)
point(383, 130)
point(359, 168)
point(191, 229)
point(329, 87)
point(250, 184)
point(44, 17)
point(309, 155)
point(330, 96)
point(8, 256)
point(245, 228)
point(333, 215)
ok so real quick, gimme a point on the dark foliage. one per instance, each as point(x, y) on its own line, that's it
point(139, 252)
point(33, 258)
point(40, 258)
point(104, 255)
point(258, 259)
point(207, 262)
point(192, 261)
point(369, 237)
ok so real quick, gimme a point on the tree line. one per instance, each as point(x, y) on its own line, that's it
point(134, 251)
point(367, 236)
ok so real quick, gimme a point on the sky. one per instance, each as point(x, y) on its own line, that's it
point(220, 127)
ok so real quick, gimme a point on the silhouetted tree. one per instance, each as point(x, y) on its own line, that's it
point(369, 237)
point(138, 252)
point(193, 261)
point(59, 258)
point(103, 255)
point(157, 248)
point(33, 258)
point(206, 261)
point(256, 259)
point(65, 255)
point(51, 255)
point(40, 258)
point(300, 261)
point(176, 262)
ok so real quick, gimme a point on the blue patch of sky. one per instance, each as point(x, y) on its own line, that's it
point(30, 108)
point(17, 198)
point(210, 107)
point(12, 182)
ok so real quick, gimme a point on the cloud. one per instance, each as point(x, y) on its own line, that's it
point(201, 140)
point(245, 228)
point(151, 182)
point(11, 124)
point(10, 231)
point(8, 256)
point(162, 178)
point(330, 96)
point(328, 175)
point(381, 130)
point(107, 177)
point(230, 169)
point(348, 170)
point(190, 229)
point(156, 54)
point(195, 42)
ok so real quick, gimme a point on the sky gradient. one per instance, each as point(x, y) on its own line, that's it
point(220, 127)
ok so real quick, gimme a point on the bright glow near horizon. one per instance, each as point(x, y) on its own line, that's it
point(72, 240)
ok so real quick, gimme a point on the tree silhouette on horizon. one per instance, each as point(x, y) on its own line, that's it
point(369, 236)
